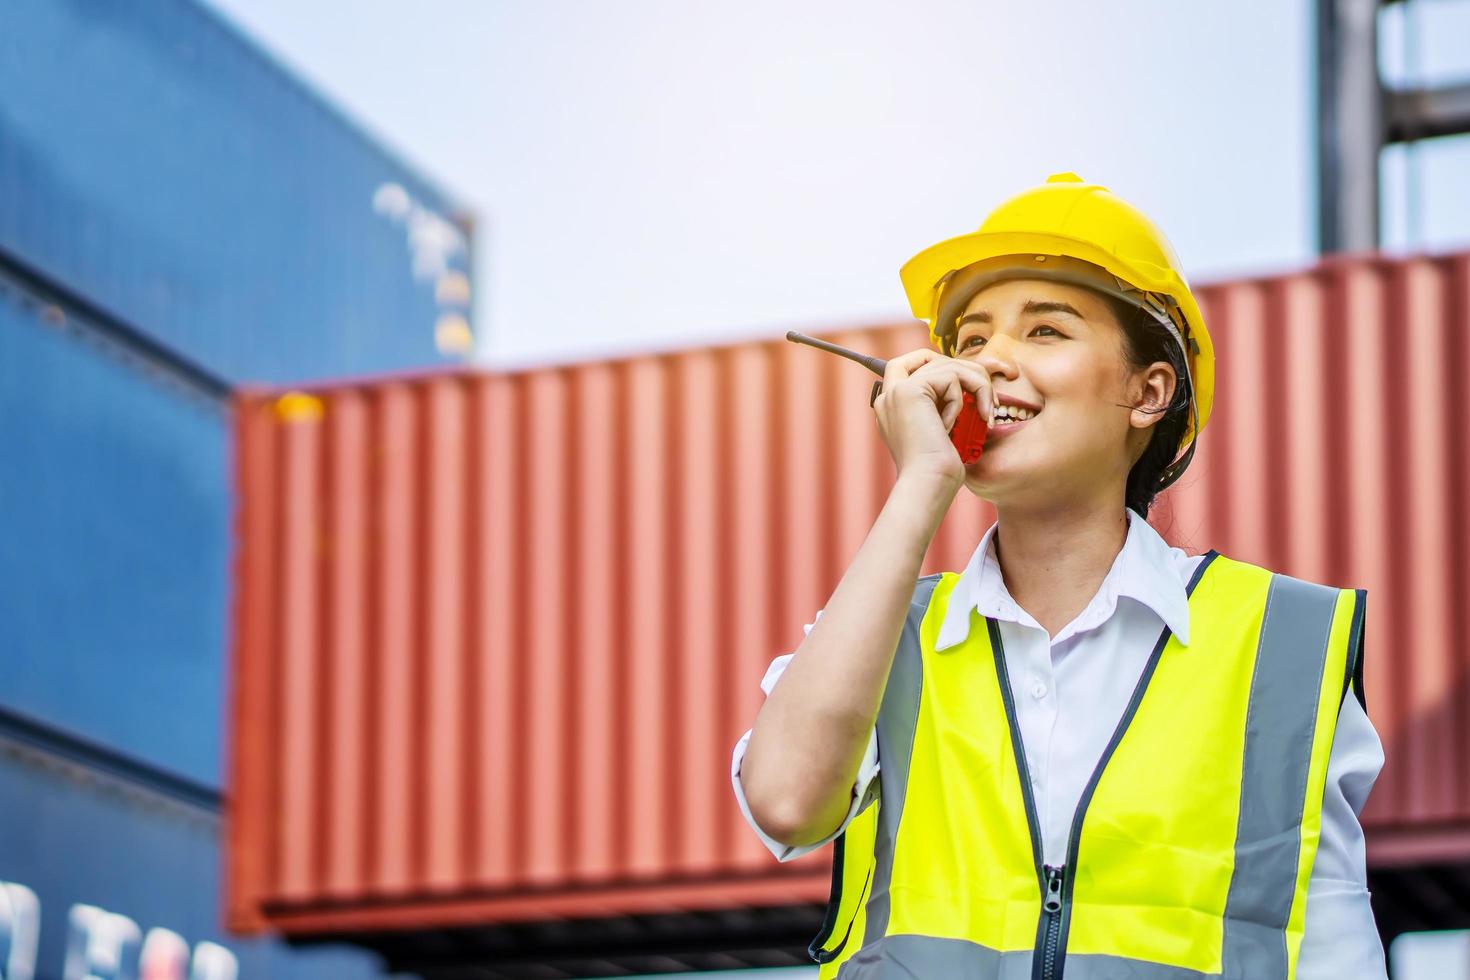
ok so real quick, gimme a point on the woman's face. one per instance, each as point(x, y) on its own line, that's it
point(1058, 351)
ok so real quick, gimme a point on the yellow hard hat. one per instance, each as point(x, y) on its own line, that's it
point(1072, 231)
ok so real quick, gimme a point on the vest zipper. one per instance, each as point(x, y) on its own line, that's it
point(1051, 909)
point(1046, 956)
point(1049, 956)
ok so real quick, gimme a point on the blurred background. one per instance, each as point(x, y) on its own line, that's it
point(405, 486)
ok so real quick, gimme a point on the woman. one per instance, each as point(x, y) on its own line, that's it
point(1100, 757)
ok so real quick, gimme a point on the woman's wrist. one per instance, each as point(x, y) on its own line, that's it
point(923, 487)
point(924, 498)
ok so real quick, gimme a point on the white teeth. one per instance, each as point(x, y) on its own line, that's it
point(1012, 413)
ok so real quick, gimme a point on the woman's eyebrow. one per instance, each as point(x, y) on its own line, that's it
point(1032, 306)
point(1050, 306)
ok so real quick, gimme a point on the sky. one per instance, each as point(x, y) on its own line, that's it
point(658, 174)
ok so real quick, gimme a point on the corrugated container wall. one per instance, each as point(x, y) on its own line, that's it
point(497, 634)
point(157, 163)
point(114, 508)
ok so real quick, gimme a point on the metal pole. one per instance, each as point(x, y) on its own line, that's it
point(1350, 125)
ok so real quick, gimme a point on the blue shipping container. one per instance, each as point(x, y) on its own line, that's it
point(177, 215)
point(74, 834)
point(114, 518)
point(114, 521)
point(159, 164)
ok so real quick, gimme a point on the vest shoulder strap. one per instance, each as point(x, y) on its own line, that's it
point(1352, 676)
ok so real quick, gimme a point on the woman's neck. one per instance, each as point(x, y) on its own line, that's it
point(1054, 561)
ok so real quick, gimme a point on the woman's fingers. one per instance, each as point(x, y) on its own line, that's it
point(954, 395)
point(922, 397)
point(947, 379)
point(904, 365)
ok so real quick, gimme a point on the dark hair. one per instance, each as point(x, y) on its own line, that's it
point(1145, 341)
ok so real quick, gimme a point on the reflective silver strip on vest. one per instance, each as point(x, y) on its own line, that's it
point(931, 958)
point(898, 716)
point(1290, 658)
point(1278, 757)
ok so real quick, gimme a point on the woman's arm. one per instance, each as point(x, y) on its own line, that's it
point(810, 734)
point(1341, 939)
point(864, 788)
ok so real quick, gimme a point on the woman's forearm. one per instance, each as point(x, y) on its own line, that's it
point(810, 734)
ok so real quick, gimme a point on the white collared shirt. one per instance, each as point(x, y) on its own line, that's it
point(1070, 692)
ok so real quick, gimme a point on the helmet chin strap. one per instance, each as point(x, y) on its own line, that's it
point(1176, 469)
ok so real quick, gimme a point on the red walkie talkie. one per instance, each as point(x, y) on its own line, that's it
point(969, 430)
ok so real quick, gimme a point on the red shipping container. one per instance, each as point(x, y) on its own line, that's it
point(497, 633)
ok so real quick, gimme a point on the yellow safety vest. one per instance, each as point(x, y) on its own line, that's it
point(1193, 841)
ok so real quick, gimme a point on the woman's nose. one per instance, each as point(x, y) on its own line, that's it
point(999, 356)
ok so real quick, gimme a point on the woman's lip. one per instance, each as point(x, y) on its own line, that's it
point(1005, 399)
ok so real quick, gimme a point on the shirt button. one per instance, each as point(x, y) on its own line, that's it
point(1038, 688)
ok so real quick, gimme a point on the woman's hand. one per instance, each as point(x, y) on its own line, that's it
point(922, 395)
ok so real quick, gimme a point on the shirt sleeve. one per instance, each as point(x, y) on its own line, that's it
point(1341, 937)
point(864, 789)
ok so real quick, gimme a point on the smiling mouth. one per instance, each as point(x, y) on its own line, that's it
point(1011, 416)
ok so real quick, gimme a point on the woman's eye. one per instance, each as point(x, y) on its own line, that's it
point(975, 340)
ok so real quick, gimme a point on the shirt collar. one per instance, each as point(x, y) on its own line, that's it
point(1144, 571)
